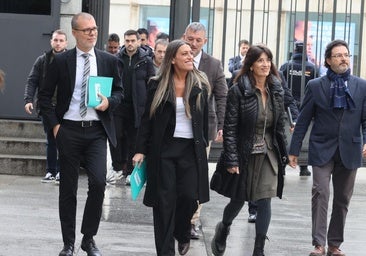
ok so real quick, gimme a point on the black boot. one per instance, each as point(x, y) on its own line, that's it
point(218, 243)
point(259, 245)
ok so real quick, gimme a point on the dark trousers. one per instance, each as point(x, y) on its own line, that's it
point(74, 143)
point(126, 132)
point(177, 195)
point(343, 183)
point(52, 163)
point(264, 214)
point(252, 207)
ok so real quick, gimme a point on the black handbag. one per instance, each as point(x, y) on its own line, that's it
point(216, 179)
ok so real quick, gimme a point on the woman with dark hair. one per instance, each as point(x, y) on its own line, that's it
point(254, 156)
point(173, 137)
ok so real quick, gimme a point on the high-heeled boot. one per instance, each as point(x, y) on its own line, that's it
point(218, 243)
point(259, 245)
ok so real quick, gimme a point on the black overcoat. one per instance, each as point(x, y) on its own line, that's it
point(154, 132)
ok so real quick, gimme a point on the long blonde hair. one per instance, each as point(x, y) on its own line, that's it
point(166, 89)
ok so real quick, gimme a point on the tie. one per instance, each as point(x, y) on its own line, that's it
point(86, 71)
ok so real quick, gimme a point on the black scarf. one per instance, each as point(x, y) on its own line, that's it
point(340, 96)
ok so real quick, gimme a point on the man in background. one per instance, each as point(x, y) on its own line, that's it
point(293, 72)
point(113, 44)
point(159, 53)
point(195, 34)
point(35, 81)
point(162, 35)
point(236, 62)
point(144, 41)
point(137, 68)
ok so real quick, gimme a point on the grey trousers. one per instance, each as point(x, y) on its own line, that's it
point(343, 180)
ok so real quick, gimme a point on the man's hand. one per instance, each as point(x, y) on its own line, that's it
point(292, 127)
point(233, 170)
point(137, 159)
point(28, 108)
point(219, 137)
point(364, 151)
point(104, 104)
point(292, 161)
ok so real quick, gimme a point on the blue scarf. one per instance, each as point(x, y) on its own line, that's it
point(340, 96)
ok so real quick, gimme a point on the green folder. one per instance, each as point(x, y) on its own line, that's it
point(98, 84)
point(138, 179)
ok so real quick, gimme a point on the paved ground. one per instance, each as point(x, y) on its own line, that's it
point(29, 222)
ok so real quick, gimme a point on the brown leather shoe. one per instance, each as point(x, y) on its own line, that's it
point(335, 251)
point(318, 251)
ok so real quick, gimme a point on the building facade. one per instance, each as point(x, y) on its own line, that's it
point(27, 24)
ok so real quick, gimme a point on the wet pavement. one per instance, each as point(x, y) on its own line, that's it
point(29, 223)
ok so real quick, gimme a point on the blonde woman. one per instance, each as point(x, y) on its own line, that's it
point(173, 140)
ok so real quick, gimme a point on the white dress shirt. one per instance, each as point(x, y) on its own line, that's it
point(73, 112)
point(197, 60)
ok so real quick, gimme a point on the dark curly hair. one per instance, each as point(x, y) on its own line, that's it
point(253, 54)
point(329, 48)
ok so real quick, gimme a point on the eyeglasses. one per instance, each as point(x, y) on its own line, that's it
point(340, 55)
point(87, 31)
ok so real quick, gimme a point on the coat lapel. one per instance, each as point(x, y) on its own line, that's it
point(325, 88)
point(352, 86)
point(71, 62)
point(203, 61)
point(100, 62)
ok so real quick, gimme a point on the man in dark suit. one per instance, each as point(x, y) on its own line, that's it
point(336, 105)
point(81, 132)
point(195, 34)
point(236, 62)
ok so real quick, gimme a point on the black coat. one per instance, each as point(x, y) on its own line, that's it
point(136, 72)
point(36, 78)
point(239, 131)
point(154, 132)
point(289, 100)
point(293, 72)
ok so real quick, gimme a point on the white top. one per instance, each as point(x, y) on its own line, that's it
point(183, 125)
point(197, 60)
point(73, 113)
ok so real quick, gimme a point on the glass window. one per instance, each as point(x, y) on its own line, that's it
point(320, 34)
point(156, 19)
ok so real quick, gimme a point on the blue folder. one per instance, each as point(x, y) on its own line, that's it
point(98, 84)
point(138, 179)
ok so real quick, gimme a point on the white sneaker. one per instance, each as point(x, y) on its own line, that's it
point(48, 178)
point(128, 180)
point(57, 178)
point(114, 176)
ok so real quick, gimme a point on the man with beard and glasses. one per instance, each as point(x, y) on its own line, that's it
point(336, 105)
